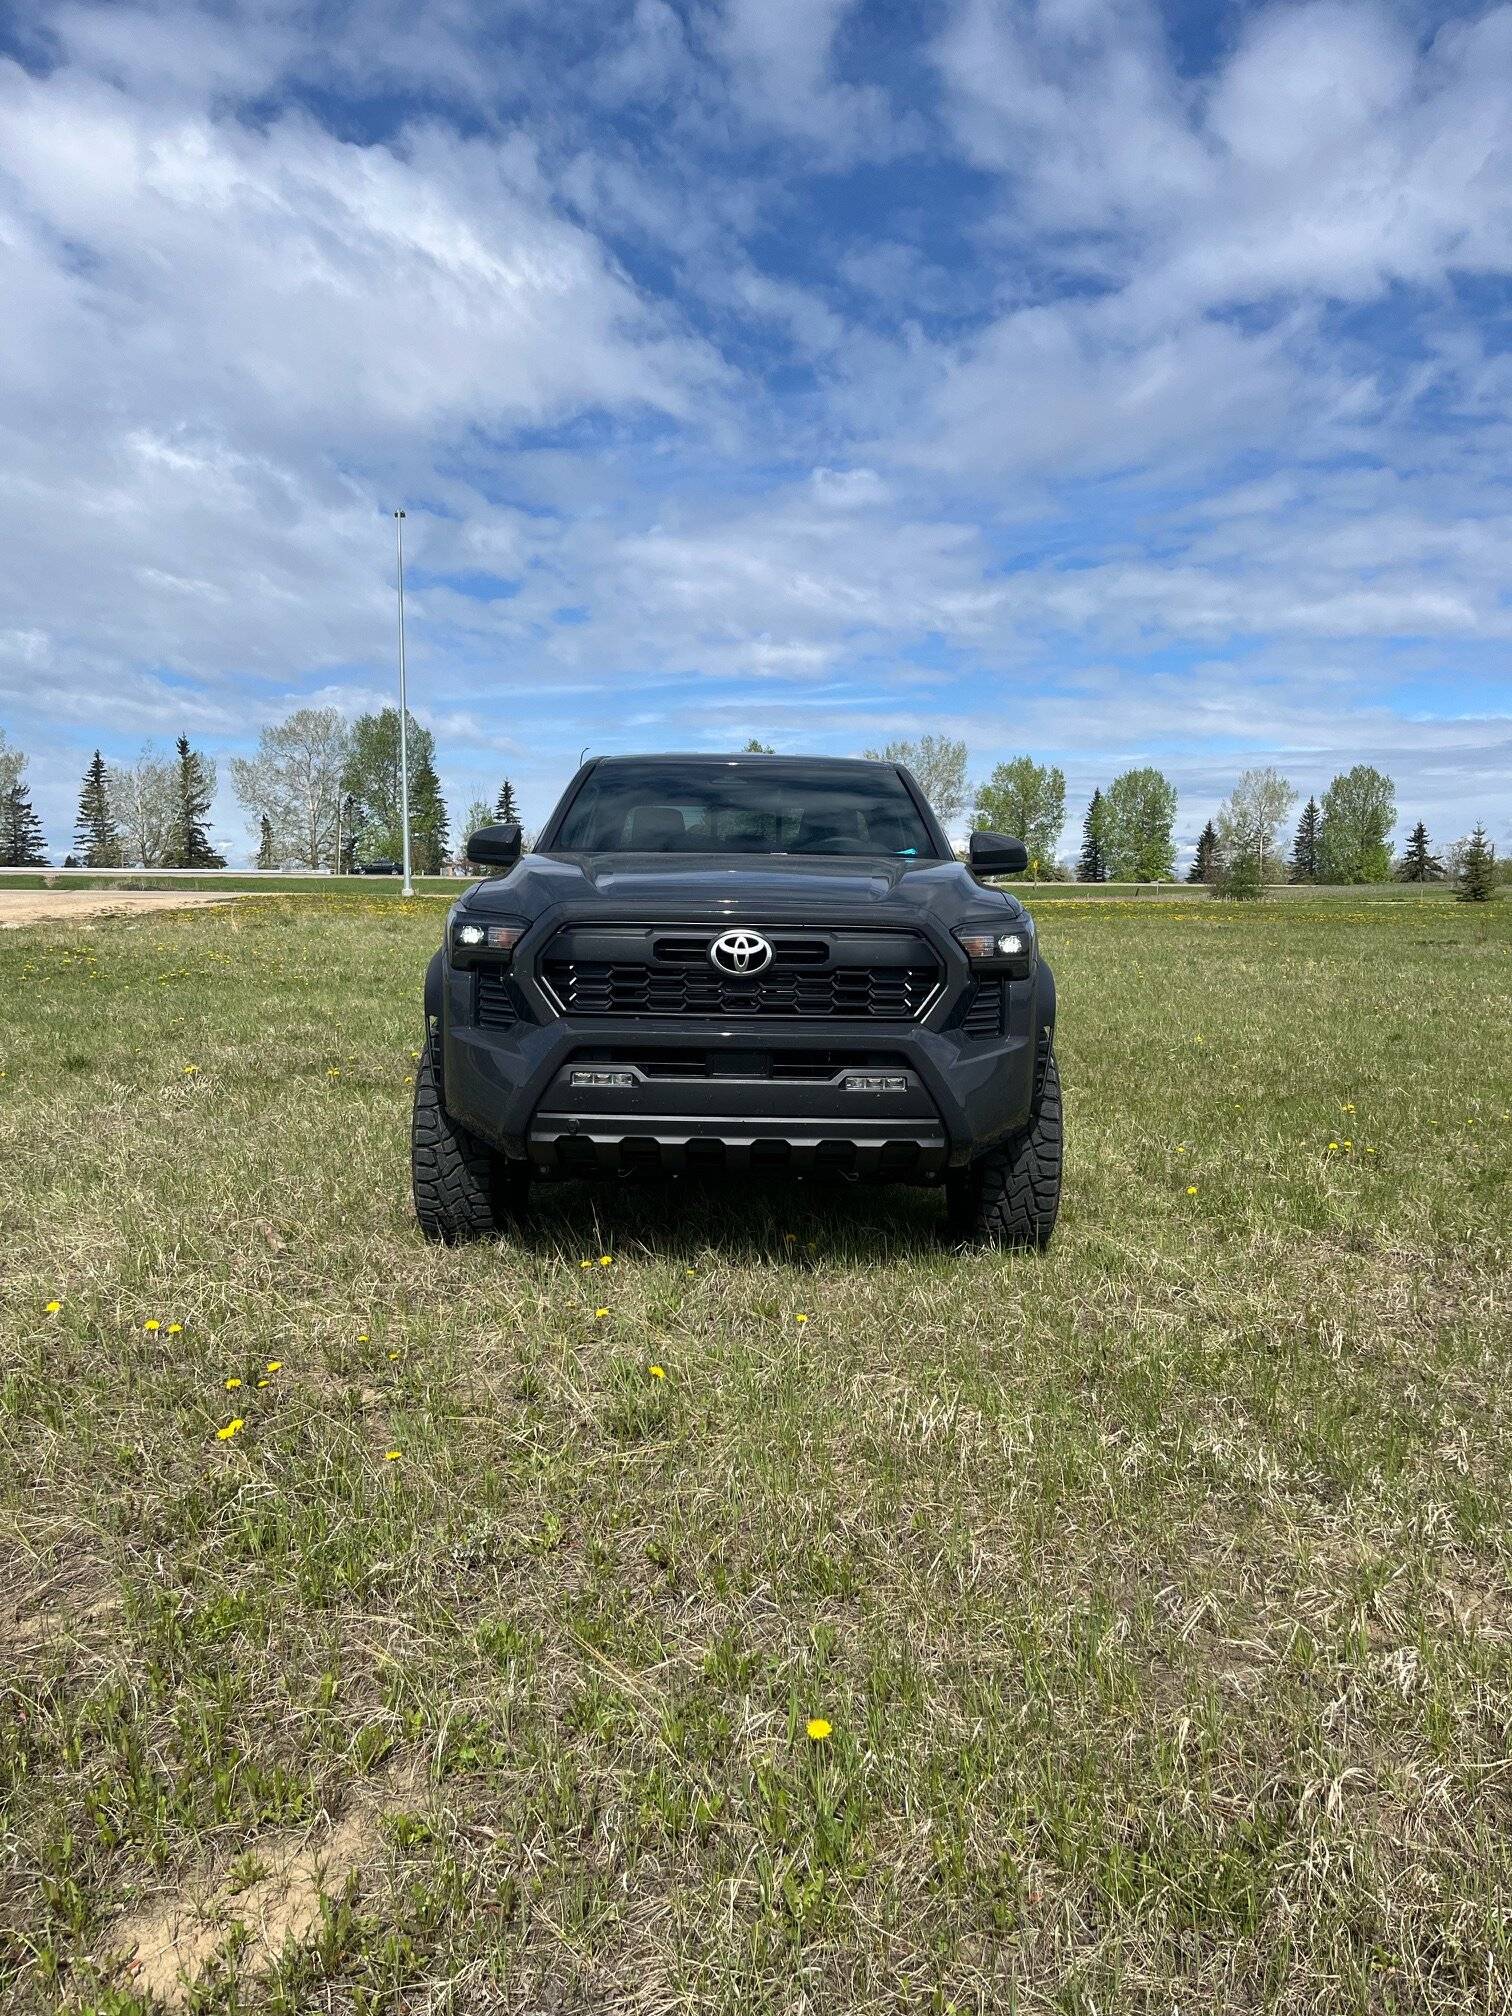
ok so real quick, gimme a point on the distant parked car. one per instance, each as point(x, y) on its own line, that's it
point(379, 868)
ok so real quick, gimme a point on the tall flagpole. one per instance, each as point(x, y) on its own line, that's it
point(409, 887)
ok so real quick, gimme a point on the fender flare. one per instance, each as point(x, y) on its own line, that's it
point(1044, 1001)
point(435, 984)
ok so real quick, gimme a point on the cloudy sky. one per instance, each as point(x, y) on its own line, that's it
point(1110, 382)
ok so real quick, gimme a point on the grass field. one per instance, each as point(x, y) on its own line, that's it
point(1157, 1593)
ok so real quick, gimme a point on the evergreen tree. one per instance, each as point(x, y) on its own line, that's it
point(1204, 866)
point(430, 826)
point(265, 843)
point(507, 809)
point(1092, 863)
point(22, 842)
point(1304, 854)
point(1477, 869)
point(1417, 864)
point(189, 845)
point(96, 834)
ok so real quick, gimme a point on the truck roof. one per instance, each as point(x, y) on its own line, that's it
point(749, 756)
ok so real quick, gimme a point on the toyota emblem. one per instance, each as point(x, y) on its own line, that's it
point(740, 953)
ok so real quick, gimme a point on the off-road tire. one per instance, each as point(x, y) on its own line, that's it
point(462, 1189)
point(1011, 1195)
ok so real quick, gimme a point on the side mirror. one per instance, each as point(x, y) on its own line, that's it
point(996, 854)
point(495, 846)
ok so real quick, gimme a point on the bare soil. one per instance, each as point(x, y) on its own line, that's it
point(77, 906)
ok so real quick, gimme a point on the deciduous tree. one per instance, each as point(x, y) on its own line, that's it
point(1359, 808)
point(1248, 822)
point(372, 779)
point(939, 764)
point(1141, 823)
point(142, 803)
point(1026, 800)
point(294, 782)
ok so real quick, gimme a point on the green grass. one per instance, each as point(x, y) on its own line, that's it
point(1158, 1591)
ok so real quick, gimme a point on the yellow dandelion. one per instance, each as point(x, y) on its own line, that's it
point(232, 1427)
point(391, 1455)
point(175, 1329)
point(274, 1365)
point(362, 1337)
point(232, 1384)
point(656, 1371)
point(1191, 1189)
point(264, 1382)
point(392, 1356)
point(585, 1263)
point(802, 1318)
point(690, 1272)
point(819, 1730)
point(601, 1312)
point(606, 1259)
point(151, 1324)
point(53, 1308)
point(190, 1070)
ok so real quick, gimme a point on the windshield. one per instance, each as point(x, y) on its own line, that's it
point(742, 808)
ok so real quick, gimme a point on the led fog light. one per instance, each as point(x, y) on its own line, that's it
point(876, 1081)
point(619, 1078)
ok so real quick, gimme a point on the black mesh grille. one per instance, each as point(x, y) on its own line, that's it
point(984, 1011)
point(602, 987)
point(497, 1006)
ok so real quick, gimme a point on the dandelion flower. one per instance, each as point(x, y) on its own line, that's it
point(190, 1070)
point(391, 1455)
point(362, 1337)
point(1191, 1189)
point(585, 1263)
point(1333, 1147)
point(232, 1384)
point(264, 1382)
point(175, 1329)
point(151, 1325)
point(656, 1371)
point(601, 1312)
point(274, 1365)
point(232, 1427)
point(606, 1259)
point(819, 1730)
point(53, 1308)
point(392, 1356)
point(802, 1318)
point(690, 1272)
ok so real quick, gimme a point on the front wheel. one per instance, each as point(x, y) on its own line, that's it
point(462, 1189)
point(1011, 1196)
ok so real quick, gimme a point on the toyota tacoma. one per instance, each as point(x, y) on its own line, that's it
point(732, 963)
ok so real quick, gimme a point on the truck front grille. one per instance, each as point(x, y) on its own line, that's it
point(814, 975)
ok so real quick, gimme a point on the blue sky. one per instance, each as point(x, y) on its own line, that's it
point(1113, 383)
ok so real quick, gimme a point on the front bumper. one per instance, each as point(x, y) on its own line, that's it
point(749, 1094)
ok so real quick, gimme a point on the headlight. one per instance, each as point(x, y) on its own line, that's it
point(470, 938)
point(1010, 952)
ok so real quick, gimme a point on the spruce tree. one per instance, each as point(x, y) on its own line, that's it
point(429, 825)
point(1304, 854)
point(195, 787)
point(1092, 863)
point(265, 843)
point(1204, 866)
point(507, 810)
point(22, 842)
point(96, 834)
point(1417, 863)
point(1477, 869)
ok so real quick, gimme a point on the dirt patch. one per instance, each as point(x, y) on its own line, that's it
point(75, 906)
point(268, 1897)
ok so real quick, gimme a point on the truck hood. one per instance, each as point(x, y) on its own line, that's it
point(734, 885)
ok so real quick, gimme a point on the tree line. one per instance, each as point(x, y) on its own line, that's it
point(153, 813)
point(1128, 831)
